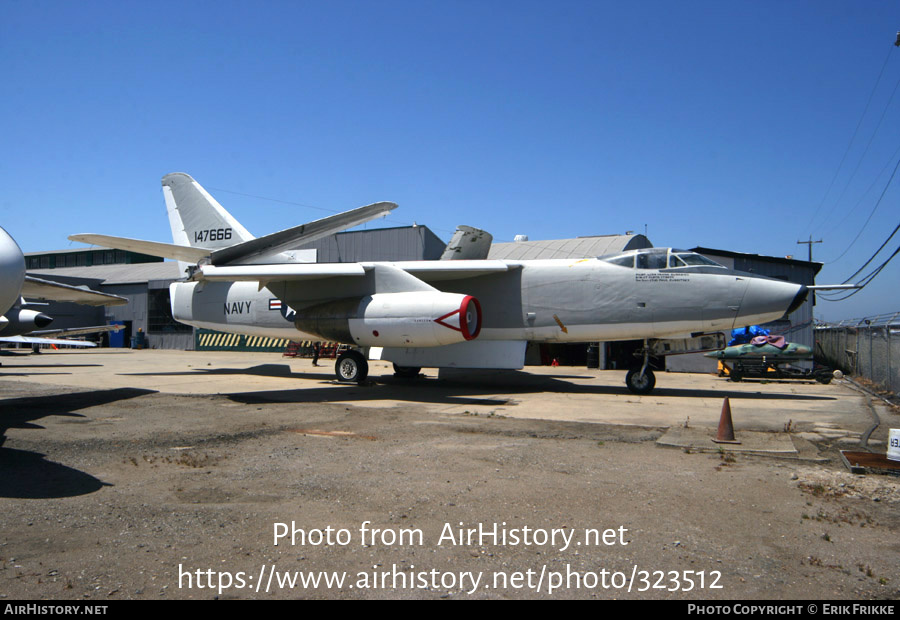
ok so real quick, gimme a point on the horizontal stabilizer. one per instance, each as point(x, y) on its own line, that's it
point(30, 340)
point(76, 331)
point(292, 238)
point(54, 291)
point(153, 248)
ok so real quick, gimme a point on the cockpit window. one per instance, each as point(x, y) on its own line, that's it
point(691, 258)
point(660, 258)
point(651, 260)
point(622, 261)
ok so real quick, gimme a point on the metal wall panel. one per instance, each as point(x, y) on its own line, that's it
point(379, 244)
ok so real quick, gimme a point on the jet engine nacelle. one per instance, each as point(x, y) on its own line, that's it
point(23, 321)
point(415, 319)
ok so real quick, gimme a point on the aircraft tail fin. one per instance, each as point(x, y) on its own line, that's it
point(199, 221)
point(196, 218)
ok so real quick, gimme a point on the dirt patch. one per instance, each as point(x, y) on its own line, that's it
point(162, 496)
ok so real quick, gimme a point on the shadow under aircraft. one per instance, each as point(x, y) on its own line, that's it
point(29, 475)
point(449, 391)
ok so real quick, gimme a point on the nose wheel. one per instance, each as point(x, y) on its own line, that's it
point(640, 383)
point(351, 367)
point(641, 380)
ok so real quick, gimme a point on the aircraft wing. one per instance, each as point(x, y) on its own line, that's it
point(54, 291)
point(435, 270)
point(427, 271)
point(32, 340)
point(153, 248)
point(291, 238)
point(270, 273)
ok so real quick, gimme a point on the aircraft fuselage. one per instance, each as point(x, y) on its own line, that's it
point(538, 301)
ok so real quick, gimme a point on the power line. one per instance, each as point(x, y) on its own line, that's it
point(863, 156)
point(852, 139)
point(881, 247)
point(871, 213)
point(872, 274)
point(865, 280)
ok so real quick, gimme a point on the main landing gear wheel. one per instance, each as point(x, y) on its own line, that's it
point(351, 366)
point(407, 372)
point(638, 384)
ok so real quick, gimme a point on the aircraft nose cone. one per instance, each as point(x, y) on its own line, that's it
point(799, 298)
point(12, 271)
point(768, 299)
point(42, 320)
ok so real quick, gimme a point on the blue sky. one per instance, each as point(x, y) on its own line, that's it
point(717, 124)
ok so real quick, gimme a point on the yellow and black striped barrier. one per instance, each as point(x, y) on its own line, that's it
point(209, 340)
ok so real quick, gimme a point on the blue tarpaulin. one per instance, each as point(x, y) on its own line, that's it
point(746, 334)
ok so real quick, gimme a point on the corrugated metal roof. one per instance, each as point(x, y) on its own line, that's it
point(582, 247)
point(814, 266)
point(116, 274)
point(93, 248)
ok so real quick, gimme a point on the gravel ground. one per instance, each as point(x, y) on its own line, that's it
point(132, 494)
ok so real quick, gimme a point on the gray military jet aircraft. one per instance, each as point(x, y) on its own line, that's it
point(445, 313)
point(16, 321)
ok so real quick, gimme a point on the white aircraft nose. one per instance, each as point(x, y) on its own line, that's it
point(769, 300)
point(12, 271)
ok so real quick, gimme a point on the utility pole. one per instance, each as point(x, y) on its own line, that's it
point(810, 244)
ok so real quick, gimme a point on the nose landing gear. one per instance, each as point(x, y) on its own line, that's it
point(641, 380)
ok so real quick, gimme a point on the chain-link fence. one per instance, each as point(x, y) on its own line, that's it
point(868, 347)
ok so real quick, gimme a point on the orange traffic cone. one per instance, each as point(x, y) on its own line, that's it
point(725, 433)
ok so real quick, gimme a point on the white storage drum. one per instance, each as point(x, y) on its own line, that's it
point(893, 452)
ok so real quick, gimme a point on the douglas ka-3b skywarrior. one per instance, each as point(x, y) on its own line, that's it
point(446, 313)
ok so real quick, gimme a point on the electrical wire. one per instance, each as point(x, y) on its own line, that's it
point(864, 281)
point(875, 208)
point(852, 139)
point(881, 247)
point(861, 157)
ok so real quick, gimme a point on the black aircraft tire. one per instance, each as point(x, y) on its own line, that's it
point(640, 385)
point(407, 372)
point(351, 367)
